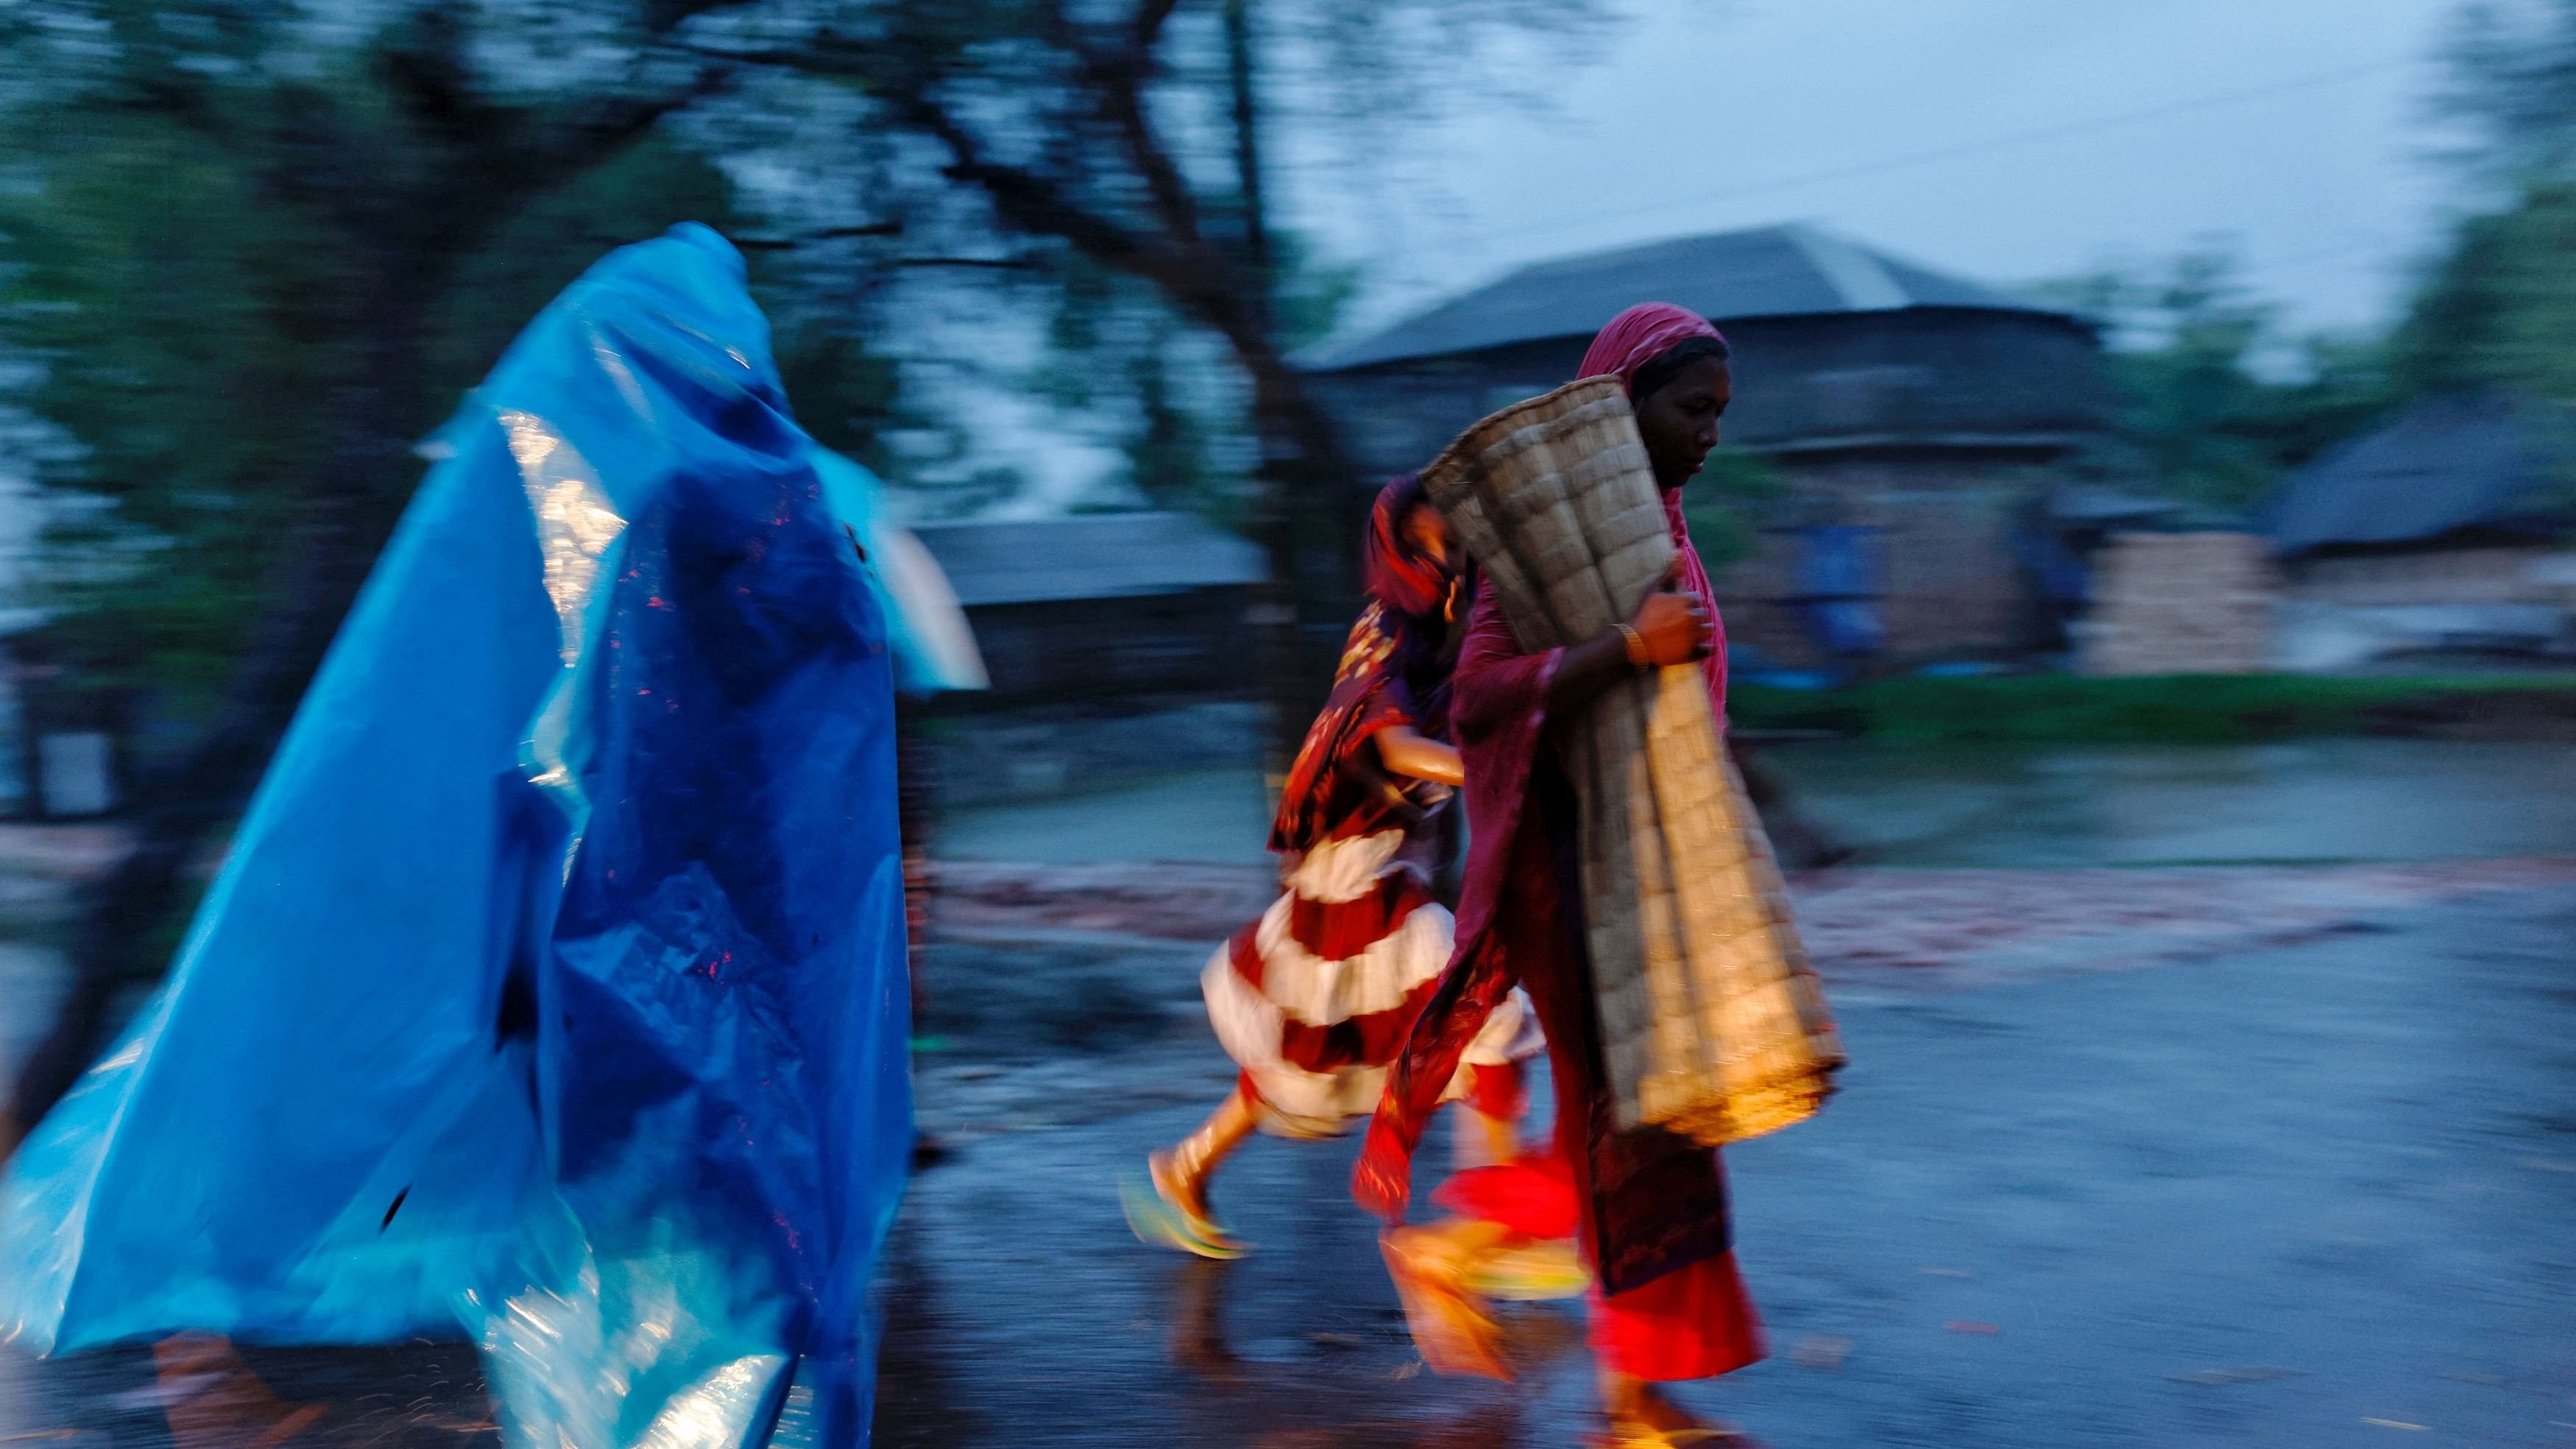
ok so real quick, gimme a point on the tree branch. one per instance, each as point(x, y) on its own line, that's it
point(825, 55)
point(990, 264)
point(1123, 81)
point(1244, 95)
point(829, 233)
point(1151, 16)
point(663, 17)
point(1172, 254)
point(614, 125)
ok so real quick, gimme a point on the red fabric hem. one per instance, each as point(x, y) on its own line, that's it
point(1692, 1323)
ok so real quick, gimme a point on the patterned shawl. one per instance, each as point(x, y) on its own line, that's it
point(1394, 671)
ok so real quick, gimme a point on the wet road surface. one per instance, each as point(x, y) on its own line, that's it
point(2314, 1193)
point(2326, 799)
point(2310, 799)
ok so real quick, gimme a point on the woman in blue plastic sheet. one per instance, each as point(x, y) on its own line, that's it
point(554, 987)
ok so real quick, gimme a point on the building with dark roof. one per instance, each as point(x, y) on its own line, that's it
point(1102, 605)
point(1128, 555)
point(1907, 413)
point(1118, 647)
point(2444, 528)
point(2447, 472)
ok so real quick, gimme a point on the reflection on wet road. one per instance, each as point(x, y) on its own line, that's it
point(2298, 1173)
point(2261, 1200)
point(2279, 1197)
point(199, 1392)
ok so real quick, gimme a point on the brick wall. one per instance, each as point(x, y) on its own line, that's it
point(2179, 603)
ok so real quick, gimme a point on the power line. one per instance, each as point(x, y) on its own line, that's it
point(1972, 148)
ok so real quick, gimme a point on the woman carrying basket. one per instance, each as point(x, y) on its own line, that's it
point(1647, 1206)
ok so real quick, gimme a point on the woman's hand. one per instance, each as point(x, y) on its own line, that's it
point(1673, 624)
point(1673, 627)
point(1407, 751)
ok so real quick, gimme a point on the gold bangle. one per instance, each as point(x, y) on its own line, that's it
point(1636, 645)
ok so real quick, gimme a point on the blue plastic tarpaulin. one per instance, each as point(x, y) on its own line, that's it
point(934, 646)
point(554, 984)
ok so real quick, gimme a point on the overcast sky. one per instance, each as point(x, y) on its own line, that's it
point(2006, 140)
point(2295, 128)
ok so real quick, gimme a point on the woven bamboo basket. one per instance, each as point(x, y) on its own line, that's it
point(1712, 1022)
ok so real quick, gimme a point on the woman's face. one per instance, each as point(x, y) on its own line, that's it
point(1679, 421)
point(1428, 532)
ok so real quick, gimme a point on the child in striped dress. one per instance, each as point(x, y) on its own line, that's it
point(1314, 999)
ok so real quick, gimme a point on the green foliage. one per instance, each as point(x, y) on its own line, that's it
point(1113, 361)
point(2513, 79)
point(1167, 448)
point(1188, 404)
point(191, 274)
point(2171, 709)
point(2499, 310)
point(1131, 134)
point(1117, 349)
point(2205, 420)
point(178, 322)
point(2198, 418)
point(1725, 503)
point(190, 332)
point(1310, 292)
point(846, 396)
point(534, 255)
point(2494, 314)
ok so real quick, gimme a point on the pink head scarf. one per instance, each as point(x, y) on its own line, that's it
point(1634, 338)
point(1639, 336)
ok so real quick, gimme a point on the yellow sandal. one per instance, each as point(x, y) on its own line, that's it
point(1159, 1213)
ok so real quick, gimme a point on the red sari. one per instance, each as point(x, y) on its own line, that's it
point(1650, 1206)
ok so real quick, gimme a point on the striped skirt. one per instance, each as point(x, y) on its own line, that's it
point(1313, 1000)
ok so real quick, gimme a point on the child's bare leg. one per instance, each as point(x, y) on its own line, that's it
point(1181, 1171)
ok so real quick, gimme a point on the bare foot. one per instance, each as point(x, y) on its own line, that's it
point(1183, 1190)
point(1641, 1415)
point(1451, 1328)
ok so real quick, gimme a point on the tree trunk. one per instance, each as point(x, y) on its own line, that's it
point(1309, 532)
point(1247, 141)
point(1281, 610)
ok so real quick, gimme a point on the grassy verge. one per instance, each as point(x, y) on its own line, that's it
point(2182, 709)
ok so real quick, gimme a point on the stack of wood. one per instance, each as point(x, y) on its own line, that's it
point(1712, 1023)
point(2180, 603)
